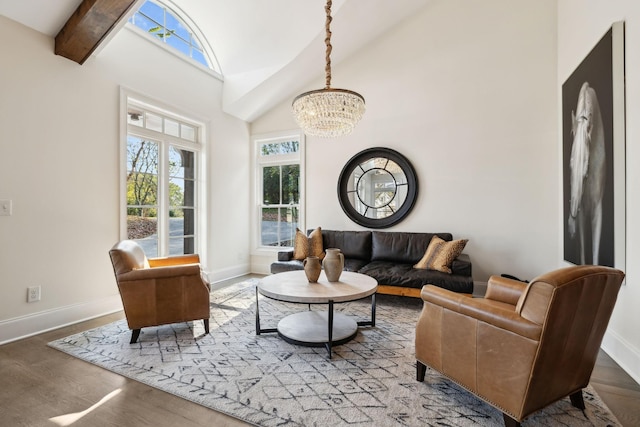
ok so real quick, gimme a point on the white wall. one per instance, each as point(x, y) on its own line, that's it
point(580, 26)
point(467, 91)
point(59, 163)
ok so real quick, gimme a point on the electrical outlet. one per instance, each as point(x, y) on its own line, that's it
point(33, 293)
point(6, 207)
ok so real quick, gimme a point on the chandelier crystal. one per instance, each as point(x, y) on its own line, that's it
point(328, 112)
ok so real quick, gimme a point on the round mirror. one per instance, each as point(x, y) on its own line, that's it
point(377, 187)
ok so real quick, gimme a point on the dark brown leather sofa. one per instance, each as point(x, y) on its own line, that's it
point(159, 291)
point(523, 346)
point(389, 258)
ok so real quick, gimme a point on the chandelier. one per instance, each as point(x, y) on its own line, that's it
point(328, 112)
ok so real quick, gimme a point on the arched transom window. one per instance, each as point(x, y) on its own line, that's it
point(161, 21)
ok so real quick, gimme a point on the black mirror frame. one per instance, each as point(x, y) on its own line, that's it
point(412, 191)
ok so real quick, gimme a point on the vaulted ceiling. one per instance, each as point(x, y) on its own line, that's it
point(262, 45)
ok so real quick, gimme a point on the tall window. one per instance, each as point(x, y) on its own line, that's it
point(280, 189)
point(160, 21)
point(163, 155)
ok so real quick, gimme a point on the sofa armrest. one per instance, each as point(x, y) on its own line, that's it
point(505, 290)
point(502, 316)
point(462, 265)
point(285, 255)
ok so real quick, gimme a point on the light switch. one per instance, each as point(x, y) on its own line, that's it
point(6, 207)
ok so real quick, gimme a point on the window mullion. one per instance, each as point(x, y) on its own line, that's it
point(164, 24)
point(163, 199)
point(280, 202)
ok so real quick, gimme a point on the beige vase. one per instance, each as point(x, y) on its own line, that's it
point(333, 264)
point(312, 268)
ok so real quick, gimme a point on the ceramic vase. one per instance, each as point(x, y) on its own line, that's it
point(333, 264)
point(312, 268)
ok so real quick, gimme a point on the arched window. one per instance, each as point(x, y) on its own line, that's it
point(161, 22)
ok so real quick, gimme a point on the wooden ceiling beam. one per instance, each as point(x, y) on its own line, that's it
point(89, 26)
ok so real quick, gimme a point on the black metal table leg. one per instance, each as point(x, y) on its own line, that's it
point(259, 330)
point(373, 310)
point(257, 314)
point(371, 322)
point(330, 322)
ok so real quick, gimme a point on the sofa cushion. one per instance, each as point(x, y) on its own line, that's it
point(351, 264)
point(401, 247)
point(440, 254)
point(395, 274)
point(282, 266)
point(352, 244)
point(461, 265)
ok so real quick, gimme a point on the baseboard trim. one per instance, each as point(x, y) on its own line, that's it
point(623, 353)
point(228, 273)
point(33, 324)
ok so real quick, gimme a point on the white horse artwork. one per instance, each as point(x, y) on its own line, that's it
point(588, 174)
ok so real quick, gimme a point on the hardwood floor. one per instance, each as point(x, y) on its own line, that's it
point(617, 390)
point(41, 386)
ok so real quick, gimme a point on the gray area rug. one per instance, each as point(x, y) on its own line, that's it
point(267, 382)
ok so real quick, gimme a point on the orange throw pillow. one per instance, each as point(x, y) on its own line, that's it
point(304, 246)
point(440, 254)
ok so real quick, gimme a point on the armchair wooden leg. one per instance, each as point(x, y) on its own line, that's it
point(577, 400)
point(206, 325)
point(135, 333)
point(421, 370)
point(510, 422)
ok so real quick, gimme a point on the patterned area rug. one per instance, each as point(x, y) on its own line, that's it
point(267, 382)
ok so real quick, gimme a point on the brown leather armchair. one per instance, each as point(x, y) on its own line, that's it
point(159, 291)
point(523, 346)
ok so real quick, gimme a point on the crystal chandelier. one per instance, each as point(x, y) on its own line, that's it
point(328, 112)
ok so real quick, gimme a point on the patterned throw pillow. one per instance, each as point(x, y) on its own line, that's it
point(315, 244)
point(440, 254)
point(300, 246)
point(304, 246)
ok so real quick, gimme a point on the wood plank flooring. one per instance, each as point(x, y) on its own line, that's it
point(41, 386)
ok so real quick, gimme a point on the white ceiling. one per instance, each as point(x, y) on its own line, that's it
point(262, 45)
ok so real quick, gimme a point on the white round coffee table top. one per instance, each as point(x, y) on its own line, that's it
point(293, 286)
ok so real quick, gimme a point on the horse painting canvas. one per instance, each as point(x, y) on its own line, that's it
point(588, 175)
point(589, 220)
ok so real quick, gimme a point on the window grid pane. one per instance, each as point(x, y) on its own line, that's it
point(271, 185)
point(278, 225)
point(171, 127)
point(187, 132)
point(278, 148)
point(182, 192)
point(154, 122)
point(142, 193)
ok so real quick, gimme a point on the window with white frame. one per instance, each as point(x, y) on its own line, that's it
point(165, 23)
point(162, 182)
point(280, 187)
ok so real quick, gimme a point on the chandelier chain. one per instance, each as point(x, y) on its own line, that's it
point(327, 41)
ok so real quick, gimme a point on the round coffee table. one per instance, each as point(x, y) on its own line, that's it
point(316, 328)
